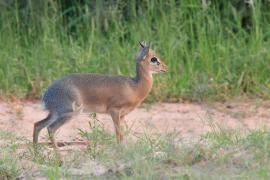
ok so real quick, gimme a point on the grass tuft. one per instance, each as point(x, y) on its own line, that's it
point(152, 156)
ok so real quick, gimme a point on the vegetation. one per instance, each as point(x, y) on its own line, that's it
point(213, 48)
point(223, 153)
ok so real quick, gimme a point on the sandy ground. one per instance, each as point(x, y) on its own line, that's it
point(188, 119)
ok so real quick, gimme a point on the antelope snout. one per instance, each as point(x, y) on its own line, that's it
point(164, 68)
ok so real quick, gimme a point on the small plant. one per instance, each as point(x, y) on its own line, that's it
point(40, 154)
point(53, 172)
point(9, 160)
point(9, 168)
point(97, 136)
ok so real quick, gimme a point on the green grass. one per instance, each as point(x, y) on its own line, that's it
point(220, 154)
point(208, 50)
point(9, 168)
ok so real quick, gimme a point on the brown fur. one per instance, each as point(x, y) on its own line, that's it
point(114, 95)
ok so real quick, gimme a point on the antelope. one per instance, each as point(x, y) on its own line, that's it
point(89, 92)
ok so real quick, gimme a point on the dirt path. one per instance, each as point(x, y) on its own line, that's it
point(189, 119)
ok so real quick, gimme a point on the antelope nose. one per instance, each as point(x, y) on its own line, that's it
point(164, 68)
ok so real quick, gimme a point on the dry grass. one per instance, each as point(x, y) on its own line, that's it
point(224, 153)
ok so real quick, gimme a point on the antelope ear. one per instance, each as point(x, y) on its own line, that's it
point(143, 52)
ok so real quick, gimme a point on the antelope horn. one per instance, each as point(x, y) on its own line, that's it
point(142, 44)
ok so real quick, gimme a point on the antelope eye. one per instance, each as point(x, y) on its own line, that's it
point(154, 60)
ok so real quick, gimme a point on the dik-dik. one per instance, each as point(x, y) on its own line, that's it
point(114, 95)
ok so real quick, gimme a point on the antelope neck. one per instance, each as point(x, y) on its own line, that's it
point(143, 79)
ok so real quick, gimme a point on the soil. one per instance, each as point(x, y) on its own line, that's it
point(188, 119)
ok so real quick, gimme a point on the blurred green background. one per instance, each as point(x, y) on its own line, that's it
point(214, 49)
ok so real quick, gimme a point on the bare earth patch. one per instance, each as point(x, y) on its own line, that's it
point(189, 119)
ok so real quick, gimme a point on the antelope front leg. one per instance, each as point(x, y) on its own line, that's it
point(122, 118)
point(117, 125)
